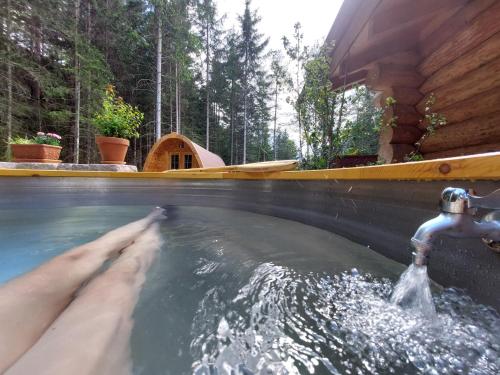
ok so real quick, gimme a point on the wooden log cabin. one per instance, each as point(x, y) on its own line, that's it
point(414, 50)
point(175, 151)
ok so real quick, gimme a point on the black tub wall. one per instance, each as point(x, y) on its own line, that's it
point(380, 214)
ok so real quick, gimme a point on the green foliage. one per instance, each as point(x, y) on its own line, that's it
point(41, 138)
point(117, 118)
point(413, 156)
point(51, 139)
point(21, 141)
point(387, 111)
point(334, 123)
point(433, 119)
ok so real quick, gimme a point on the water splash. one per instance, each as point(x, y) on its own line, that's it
point(284, 322)
point(414, 293)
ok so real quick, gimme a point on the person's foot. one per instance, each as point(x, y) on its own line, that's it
point(157, 214)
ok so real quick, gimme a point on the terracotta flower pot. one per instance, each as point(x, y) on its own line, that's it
point(113, 150)
point(35, 153)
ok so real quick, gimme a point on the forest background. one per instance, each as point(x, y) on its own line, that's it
point(185, 70)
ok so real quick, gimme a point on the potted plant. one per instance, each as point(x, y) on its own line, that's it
point(116, 123)
point(43, 148)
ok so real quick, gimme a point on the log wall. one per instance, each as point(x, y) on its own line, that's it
point(462, 71)
point(414, 50)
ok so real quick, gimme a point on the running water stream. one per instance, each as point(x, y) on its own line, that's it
point(413, 292)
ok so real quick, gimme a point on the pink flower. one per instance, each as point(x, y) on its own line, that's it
point(53, 135)
point(40, 134)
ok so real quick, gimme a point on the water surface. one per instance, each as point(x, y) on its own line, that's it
point(240, 293)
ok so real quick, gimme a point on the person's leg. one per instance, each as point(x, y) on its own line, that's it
point(30, 303)
point(91, 336)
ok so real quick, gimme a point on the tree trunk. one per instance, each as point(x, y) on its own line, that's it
point(170, 97)
point(76, 158)
point(208, 91)
point(9, 80)
point(90, 138)
point(177, 101)
point(275, 118)
point(245, 103)
point(299, 115)
point(232, 122)
point(158, 74)
point(245, 129)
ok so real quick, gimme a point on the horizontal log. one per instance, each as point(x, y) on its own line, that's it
point(408, 57)
point(403, 95)
point(347, 34)
point(395, 14)
point(349, 80)
point(400, 134)
point(394, 153)
point(476, 131)
point(437, 21)
point(406, 114)
point(477, 106)
point(385, 76)
point(433, 36)
point(491, 147)
point(471, 84)
point(475, 58)
point(383, 48)
point(482, 27)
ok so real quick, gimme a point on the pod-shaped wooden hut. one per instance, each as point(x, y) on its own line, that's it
point(175, 151)
point(434, 57)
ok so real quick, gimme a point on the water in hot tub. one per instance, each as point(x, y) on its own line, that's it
point(233, 292)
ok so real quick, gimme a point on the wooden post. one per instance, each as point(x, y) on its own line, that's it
point(400, 130)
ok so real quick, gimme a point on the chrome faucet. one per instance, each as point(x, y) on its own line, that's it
point(458, 219)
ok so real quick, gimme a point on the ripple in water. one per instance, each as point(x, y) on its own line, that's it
point(284, 322)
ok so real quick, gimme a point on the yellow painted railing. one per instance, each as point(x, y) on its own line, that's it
point(475, 167)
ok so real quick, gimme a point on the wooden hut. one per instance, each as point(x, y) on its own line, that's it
point(175, 151)
point(414, 50)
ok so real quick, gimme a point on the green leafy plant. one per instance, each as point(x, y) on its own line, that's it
point(41, 138)
point(414, 156)
point(389, 104)
point(433, 119)
point(117, 118)
point(21, 141)
point(51, 139)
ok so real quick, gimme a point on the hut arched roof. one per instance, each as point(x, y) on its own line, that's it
point(204, 158)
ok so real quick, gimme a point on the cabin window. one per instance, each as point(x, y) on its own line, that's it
point(174, 161)
point(188, 161)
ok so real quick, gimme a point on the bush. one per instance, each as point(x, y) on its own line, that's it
point(117, 118)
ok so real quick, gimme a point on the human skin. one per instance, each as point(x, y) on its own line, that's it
point(29, 304)
point(92, 335)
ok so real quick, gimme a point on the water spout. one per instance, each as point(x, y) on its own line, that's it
point(457, 220)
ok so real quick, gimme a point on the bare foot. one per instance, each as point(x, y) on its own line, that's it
point(157, 214)
point(92, 335)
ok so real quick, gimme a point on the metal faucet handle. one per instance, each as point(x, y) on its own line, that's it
point(454, 200)
point(490, 201)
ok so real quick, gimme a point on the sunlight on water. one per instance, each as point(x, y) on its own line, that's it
point(413, 292)
point(282, 322)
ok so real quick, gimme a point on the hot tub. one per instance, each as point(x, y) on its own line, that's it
point(378, 208)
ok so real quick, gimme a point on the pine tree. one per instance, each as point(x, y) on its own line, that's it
point(279, 77)
point(296, 50)
point(250, 51)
